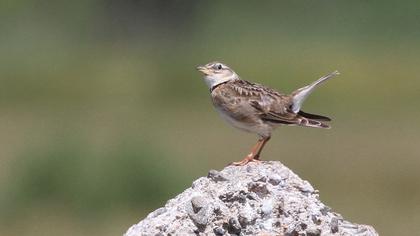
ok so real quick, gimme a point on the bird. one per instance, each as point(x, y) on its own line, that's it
point(256, 108)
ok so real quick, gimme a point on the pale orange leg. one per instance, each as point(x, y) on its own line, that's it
point(254, 155)
point(264, 141)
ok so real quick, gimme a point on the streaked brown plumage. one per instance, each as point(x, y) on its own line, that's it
point(256, 108)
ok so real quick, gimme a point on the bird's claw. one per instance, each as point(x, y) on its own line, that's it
point(245, 161)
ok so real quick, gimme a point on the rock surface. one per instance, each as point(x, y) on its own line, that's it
point(261, 199)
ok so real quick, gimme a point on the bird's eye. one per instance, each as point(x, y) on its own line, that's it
point(219, 66)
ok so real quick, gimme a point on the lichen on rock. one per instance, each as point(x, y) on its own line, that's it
point(262, 199)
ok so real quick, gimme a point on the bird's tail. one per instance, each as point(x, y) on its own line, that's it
point(312, 123)
point(299, 96)
point(314, 116)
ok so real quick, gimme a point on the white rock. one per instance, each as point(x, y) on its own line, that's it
point(260, 198)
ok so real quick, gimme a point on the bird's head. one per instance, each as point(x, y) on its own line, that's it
point(216, 73)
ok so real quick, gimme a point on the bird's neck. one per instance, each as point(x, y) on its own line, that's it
point(213, 82)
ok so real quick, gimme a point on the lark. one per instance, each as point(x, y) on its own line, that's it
point(258, 109)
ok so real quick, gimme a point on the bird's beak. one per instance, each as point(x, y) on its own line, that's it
point(203, 70)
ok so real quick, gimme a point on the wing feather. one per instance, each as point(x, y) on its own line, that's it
point(274, 107)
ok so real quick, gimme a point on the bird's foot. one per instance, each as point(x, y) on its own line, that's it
point(246, 160)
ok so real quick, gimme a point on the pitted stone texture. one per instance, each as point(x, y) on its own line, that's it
point(263, 198)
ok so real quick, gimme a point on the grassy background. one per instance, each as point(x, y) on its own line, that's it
point(103, 116)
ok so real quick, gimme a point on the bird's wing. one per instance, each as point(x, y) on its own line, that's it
point(247, 88)
point(291, 118)
point(275, 107)
point(271, 106)
point(274, 114)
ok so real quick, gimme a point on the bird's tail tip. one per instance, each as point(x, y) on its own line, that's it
point(314, 123)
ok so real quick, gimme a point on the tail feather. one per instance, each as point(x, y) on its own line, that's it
point(314, 116)
point(313, 123)
point(299, 96)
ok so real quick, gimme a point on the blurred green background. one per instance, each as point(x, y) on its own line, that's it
point(103, 116)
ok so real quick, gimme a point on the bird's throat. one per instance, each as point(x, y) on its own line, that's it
point(212, 81)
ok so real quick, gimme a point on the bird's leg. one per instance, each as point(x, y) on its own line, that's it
point(260, 147)
point(254, 154)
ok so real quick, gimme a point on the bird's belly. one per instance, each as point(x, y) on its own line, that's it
point(248, 125)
